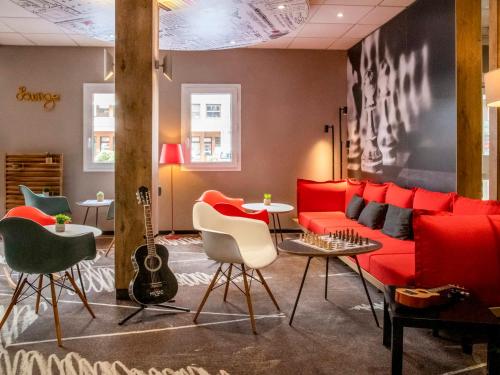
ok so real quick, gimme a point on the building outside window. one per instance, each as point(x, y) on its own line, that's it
point(99, 127)
point(212, 135)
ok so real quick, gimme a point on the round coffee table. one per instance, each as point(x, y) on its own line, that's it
point(274, 209)
point(94, 203)
point(300, 248)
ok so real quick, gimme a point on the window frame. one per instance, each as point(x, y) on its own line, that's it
point(88, 137)
point(187, 89)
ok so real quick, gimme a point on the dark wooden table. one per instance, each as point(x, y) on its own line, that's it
point(468, 316)
point(299, 248)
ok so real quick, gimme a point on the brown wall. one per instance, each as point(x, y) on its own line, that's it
point(287, 97)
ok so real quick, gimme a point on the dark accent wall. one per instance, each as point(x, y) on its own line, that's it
point(402, 100)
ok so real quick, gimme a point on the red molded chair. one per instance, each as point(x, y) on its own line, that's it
point(31, 213)
point(231, 206)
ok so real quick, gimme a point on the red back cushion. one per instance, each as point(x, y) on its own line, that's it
point(397, 196)
point(375, 192)
point(353, 188)
point(314, 196)
point(468, 206)
point(431, 200)
point(459, 250)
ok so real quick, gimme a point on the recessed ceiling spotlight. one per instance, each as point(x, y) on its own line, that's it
point(232, 42)
point(281, 7)
point(340, 14)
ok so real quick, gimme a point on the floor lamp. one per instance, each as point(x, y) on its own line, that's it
point(171, 154)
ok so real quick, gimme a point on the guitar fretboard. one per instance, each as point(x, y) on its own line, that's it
point(150, 238)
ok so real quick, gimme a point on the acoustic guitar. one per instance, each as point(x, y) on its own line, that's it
point(153, 283)
point(424, 298)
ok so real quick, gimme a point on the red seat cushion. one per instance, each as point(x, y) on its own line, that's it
point(32, 213)
point(375, 192)
point(462, 250)
point(313, 196)
point(400, 197)
point(394, 269)
point(320, 224)
point(305, 218)
point(431, 200)
point(353, 188)
point(468, 206)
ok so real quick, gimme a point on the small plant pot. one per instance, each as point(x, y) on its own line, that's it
point(267, 202)
point(60, 227)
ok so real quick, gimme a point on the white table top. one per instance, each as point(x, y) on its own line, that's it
point(274, 208)
point(95, 203)
point(74, 230)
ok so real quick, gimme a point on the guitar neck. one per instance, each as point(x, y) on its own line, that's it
point(440, 288)
point(150, 238)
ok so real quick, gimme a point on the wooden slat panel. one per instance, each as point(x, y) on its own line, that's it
point(32, 171)
point(469, 105)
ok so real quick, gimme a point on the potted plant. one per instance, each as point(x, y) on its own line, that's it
point(100, 196)
point(267, 199)
point(61, 221)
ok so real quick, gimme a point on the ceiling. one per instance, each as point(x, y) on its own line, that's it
point(331, 24)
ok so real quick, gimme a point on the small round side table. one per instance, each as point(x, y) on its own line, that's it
point(274, 209)
point(93, 203)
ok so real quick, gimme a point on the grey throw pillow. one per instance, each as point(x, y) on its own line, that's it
point(373, 215)
point(355, 207)
point(398, 222)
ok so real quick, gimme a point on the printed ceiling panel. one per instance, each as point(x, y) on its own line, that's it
point(184, 24)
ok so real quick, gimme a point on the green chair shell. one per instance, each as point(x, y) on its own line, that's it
point(49, 205)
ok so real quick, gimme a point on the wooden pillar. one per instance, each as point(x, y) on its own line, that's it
point(494, 63)
point(136, 161)
point(469, 102)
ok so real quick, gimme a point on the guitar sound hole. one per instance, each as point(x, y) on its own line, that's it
point(152, 263)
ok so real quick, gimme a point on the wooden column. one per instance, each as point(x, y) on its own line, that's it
point(469, 109)
point(136, 161)
point(494, 63)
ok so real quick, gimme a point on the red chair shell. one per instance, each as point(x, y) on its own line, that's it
point(212, 197)
point(31, 213)
point(230, 210)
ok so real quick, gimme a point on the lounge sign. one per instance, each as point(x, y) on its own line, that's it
point(49, 100)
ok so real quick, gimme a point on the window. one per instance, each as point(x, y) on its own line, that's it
point(213, 110)
point(212, 136)
point(99, 127)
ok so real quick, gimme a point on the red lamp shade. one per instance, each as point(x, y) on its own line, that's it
point(171, 153)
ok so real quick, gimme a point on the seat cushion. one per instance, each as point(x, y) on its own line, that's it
point(313, 196)
point(431, 200)
point(305, 218)
point(321, 226)
point(375, 192)
point(399, 197)
point(468, 206)
point(353, 187)
point(394, 269)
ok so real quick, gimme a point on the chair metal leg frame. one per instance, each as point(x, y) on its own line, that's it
point(249, 299)
point(366, 291)
point(110, 246)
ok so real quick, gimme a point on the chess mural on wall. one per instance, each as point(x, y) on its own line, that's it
point(401, 100)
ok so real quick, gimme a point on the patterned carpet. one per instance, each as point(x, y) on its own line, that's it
point(337, 336)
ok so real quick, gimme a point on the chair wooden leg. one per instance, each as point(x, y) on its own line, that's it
point(249, 300)
point(55, 310)
point(39, 293)
point(268, 289)
point(110, 247)
point(228, 281)
point(210, 287)
point(80, 294)
point(13, 301)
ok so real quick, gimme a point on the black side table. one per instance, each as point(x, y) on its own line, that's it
point(468, 315)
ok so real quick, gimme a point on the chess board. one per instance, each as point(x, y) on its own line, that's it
point(335, 244)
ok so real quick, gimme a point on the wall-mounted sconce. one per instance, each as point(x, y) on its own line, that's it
point(327, 129)
point(166, 66)
point(109, 65)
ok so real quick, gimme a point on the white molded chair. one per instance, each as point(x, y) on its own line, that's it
point(244, 244)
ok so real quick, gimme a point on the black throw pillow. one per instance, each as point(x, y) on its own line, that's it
point(398, 222)
point(355, 207)
point(373, 215)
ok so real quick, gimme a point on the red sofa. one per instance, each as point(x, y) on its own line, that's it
point(456, 239)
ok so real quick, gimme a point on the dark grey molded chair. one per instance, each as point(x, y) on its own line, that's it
point(30, 249)
point(111, 216)
point(49, 205)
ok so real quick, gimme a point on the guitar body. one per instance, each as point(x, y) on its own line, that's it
point(154, 283)
point(417, 298)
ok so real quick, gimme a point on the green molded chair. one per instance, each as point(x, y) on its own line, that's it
point(30, 249)
point(111, 216)
point(49, 205)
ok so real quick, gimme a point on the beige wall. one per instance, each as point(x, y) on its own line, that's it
point(287, 97)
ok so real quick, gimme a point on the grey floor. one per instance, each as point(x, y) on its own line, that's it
point(334, 336)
